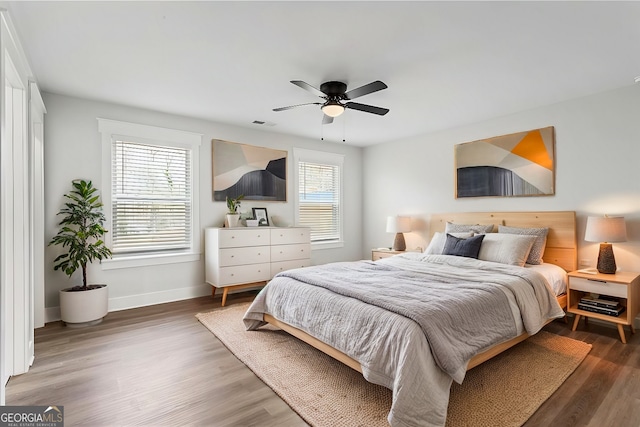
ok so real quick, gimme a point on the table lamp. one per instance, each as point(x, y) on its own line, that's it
point(606, 229)
point(399, 225)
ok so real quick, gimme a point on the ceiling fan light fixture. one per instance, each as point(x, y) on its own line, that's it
point(333, 109)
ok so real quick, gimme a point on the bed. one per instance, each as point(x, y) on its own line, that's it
point(373, 317)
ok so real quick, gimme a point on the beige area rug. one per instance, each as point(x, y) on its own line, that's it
point(504, 391)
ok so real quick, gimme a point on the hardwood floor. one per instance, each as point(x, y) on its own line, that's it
point(158, 366)
point(154, 366)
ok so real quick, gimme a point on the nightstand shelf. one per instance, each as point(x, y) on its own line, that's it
point(624, 286)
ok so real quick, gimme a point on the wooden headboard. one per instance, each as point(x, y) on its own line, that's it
point(562, 246)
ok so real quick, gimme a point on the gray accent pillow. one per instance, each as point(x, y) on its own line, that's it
point(468, 247)
point(535, 255)
point(465, 228)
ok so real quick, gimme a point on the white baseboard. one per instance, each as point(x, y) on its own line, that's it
point(52, 314)
point(143, 300)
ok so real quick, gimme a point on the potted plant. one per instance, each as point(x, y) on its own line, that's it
point(81, 234)
point(233, 216)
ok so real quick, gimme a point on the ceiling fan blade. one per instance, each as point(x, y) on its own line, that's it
point(297, 105)
point(367, 108)
point(308, 87)
point(365, 90)
point(327, 120)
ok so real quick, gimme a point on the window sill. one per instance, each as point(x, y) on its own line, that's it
point(327, 245)
point(134, 261)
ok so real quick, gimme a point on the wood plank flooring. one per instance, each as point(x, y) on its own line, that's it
point(157, 366)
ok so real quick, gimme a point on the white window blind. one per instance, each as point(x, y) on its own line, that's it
point(319, 200)
point(150, 197)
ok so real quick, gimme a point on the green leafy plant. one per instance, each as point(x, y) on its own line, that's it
point(234, 204)
point(81, 231)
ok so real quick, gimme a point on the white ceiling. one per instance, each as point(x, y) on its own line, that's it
point(446, 63)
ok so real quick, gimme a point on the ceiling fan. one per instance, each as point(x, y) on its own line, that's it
point(334, 94)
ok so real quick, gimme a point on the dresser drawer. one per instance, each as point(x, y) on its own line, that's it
point(277, 267)
point(235, 238)
point(289, 252)
point(285, 236)
point(244, 274)
point(241, 256)
point(598, 287)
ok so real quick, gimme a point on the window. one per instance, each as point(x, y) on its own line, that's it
point(150, 193)
point(319, 195)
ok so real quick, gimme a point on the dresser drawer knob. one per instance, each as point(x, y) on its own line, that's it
point(233, 256)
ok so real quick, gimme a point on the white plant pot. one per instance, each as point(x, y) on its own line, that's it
point(233, 220)
point(79, 308)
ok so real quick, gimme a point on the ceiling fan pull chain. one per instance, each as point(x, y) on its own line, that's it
point(344, 128)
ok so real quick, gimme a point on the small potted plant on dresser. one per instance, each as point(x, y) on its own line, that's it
point(233, 216)
point(81, 234)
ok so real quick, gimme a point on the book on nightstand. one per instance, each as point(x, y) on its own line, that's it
point(601, 306)
point(600, 302)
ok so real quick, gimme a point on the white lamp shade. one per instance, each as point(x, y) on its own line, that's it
point(605, 229)
point(398, 224)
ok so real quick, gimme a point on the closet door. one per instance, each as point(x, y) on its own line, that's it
point(17, 214)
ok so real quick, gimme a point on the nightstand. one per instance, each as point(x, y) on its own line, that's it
point(377, 254)
point(624, 285)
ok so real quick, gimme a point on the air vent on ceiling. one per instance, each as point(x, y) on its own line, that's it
point(263, 123)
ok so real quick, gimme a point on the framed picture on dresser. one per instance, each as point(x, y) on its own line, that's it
point(261, 215)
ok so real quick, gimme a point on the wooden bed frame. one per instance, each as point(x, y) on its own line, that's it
point(561, 249)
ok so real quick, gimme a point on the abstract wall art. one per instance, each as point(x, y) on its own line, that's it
point(520, 164)
point(257, 173)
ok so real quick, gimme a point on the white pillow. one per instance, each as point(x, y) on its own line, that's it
point(451, 228)
point(512, 249)
point(439, 239)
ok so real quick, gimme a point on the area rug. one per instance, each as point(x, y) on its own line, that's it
point(505, 391)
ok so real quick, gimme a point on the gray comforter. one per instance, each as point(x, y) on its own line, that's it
point(412, 321)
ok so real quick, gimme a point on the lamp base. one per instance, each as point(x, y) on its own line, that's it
point(606, 260)
point(398, 243)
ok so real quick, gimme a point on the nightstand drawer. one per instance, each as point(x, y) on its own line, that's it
point(598, 287)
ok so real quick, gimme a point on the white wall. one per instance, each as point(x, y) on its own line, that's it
point(73, 150)
point(597, 163)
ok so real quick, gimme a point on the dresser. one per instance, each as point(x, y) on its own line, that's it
point(243, 257)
